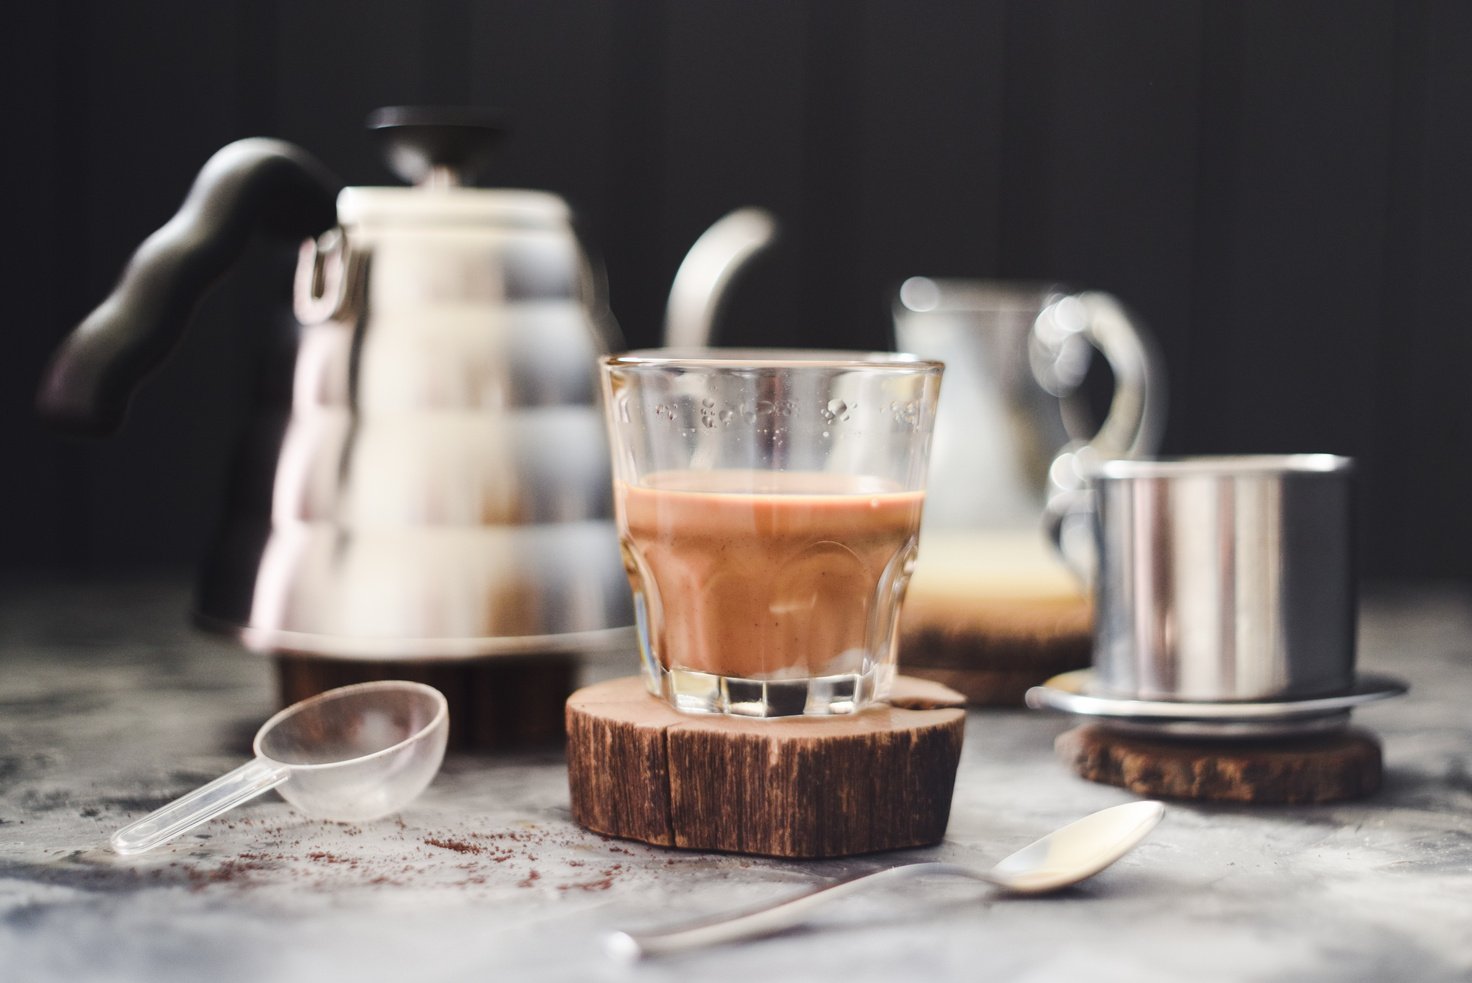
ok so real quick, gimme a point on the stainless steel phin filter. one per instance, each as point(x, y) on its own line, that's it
point(1224, 578)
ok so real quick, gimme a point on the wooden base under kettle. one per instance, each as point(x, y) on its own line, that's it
point(495, 703)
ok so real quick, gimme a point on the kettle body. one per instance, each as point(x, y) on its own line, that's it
point(437, 486)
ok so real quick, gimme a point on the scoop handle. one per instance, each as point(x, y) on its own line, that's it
point(201, 805)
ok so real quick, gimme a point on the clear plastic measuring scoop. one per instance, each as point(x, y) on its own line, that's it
point(350, 754)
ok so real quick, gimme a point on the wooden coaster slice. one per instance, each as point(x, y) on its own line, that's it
point(992, 615)
point(809, 787)
point(1330, 768)
point(993, 687)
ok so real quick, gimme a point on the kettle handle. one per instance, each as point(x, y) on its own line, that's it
point(253, 184)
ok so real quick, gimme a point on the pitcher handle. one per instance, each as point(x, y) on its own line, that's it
point(1136, 412)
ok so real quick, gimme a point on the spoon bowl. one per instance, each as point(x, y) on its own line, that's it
point(1062, 858)
point(1077, 851)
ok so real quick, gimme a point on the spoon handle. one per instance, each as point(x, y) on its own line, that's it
point(201, 805)
point(770, 918)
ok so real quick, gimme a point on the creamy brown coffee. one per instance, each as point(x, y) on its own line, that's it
point(768, 575)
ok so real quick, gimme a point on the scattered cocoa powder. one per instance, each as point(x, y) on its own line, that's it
point(459, 846)
point(227, 871)
point(322, 856)
point(279, 859)
point(600, 885)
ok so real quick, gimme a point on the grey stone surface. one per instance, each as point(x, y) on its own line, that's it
point(110, 705)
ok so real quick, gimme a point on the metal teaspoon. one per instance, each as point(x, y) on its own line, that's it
point(1064, 857)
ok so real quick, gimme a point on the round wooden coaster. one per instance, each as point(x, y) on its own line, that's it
point(1329, 768)
point(993, 650)
point(992, 613)
point(988, 687)
point(496, 703)
point(807, 787)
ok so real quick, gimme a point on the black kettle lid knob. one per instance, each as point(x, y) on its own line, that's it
point(437, 145)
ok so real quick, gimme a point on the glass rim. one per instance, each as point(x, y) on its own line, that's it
point(768, 358)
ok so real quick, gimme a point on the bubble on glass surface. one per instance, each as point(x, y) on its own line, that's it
point(906, 413)
point(837, 410)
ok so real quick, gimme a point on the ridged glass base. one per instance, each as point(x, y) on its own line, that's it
point(703, 692)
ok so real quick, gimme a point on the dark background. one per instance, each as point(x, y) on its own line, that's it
point(1282, 190)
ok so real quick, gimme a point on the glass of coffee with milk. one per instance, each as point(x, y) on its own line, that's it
point(768, 505)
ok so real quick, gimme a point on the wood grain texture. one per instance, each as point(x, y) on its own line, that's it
point(494, 703)
point(796, 787)
point(989, 687)
point(1322, 769)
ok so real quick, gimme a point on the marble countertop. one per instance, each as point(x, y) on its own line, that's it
point(110, 705)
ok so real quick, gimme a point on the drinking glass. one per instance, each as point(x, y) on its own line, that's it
point(768, 504)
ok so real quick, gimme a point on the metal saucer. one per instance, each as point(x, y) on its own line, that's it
point(1228, 730)
point(1069, 693)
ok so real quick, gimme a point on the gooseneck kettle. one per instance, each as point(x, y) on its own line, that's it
point(437, 486)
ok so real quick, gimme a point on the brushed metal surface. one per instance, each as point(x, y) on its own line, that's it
point(1226, 578)
point(439, 485)
point(1077, 692)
